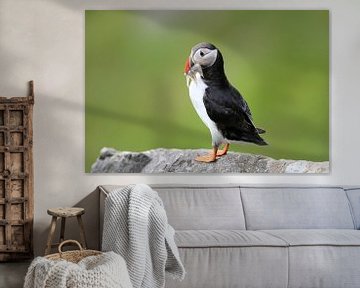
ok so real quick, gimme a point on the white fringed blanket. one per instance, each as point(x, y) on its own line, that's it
point(136, 227)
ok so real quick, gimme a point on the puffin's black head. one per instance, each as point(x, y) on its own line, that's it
point(209, 58)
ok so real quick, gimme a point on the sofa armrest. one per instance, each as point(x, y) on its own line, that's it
point(102, 197)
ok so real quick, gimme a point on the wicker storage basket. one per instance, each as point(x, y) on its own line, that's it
point(72, 256)
point(102, 270)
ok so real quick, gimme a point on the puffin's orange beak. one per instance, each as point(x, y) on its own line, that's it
point(187, 66)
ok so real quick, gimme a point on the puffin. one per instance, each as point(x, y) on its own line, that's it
point(219, 105)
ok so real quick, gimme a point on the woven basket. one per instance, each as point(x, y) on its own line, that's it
point(72, 256)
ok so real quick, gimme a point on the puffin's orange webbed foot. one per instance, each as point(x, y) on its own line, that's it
point(223, 151)
point(206, 158)
point(211, 157)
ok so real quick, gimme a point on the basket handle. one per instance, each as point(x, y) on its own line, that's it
point(69, 241)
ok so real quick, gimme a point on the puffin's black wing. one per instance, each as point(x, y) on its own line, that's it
point(246, 109)
point(228, 109)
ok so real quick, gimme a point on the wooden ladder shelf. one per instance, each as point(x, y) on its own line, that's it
point(16, 177)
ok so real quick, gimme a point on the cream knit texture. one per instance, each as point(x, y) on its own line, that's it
point(107, 270)
point(136, 227)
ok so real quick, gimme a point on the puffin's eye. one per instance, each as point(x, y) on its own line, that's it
point(202, 53)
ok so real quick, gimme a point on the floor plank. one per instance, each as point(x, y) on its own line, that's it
point(12, 274)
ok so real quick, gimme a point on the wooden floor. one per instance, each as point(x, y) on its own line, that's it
point(12, 274)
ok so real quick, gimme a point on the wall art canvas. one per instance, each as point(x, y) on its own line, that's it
point(236, 91)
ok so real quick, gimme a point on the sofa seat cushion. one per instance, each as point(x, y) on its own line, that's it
point(322, 258)
point(317, 237)
point(226, 238)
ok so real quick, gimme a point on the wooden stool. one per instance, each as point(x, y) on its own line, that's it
point(64, 213)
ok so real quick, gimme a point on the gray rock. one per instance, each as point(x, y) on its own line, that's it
point(182, 161)
point(111, 161)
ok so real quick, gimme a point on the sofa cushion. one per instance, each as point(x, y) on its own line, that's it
point(220, 267)
point(324, 266)
point(354, 198)
point(317, 237)
point(225, 238)
point(296, 208)
point(199, 207)
point(192, 208)
point(322, 258)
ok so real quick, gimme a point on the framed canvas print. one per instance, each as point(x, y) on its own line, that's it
point(240, 91)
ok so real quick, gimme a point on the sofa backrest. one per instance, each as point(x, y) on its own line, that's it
point(296, 208)
point(203, 208)
point(209, 207)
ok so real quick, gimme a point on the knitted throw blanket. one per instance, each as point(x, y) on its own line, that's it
point(102, 271)
point(136, 227)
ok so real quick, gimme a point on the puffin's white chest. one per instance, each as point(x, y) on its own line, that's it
point(197, 89)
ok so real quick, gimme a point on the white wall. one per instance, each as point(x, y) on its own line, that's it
point(43, 40)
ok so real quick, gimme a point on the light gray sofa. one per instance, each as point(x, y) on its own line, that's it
point(264, 236)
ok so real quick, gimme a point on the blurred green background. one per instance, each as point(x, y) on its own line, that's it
point(136, 94)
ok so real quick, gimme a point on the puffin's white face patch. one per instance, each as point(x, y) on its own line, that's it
point(205, 57)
